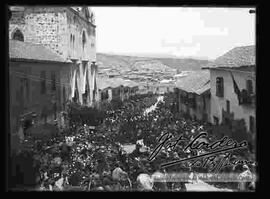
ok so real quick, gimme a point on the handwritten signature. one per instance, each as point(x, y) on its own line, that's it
point(208, 159)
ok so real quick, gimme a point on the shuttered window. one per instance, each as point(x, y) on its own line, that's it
point(249, 86)
point(219, 87)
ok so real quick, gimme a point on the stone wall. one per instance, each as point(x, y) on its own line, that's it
point(76, 27)
point(63, 31)
point(42, 25)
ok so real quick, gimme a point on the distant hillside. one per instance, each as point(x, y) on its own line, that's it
point(184, 64)
point(145, 69)
point(123, 62)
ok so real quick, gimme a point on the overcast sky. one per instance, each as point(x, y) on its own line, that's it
point(184, 32)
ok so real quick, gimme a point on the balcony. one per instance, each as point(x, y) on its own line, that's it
point(247, 99)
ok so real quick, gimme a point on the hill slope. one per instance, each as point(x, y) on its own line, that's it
point(145, 68)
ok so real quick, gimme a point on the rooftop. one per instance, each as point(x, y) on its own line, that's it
point(237, 57)
point(196, 82)
point(19, 50)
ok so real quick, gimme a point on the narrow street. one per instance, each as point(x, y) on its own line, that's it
point(153, 109)
point(88, 158)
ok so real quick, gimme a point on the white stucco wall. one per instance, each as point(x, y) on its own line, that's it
point(217, 103)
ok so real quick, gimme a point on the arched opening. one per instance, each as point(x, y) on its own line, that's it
point(17, 35)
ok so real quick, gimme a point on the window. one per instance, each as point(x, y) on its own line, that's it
point(228, 106)
point(249, 87)
point(53, 77)
point(219, 87)
point(43, 82)
point(251, 124)
point(245, 97)
point(17, 35)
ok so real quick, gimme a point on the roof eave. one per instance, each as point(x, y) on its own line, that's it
point(36, 61)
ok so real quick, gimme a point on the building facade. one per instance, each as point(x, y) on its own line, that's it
point(69, 32)
point(193, 95)
point(233, 90)
point(35, 85)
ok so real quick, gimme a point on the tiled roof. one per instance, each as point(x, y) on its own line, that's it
point(237, 57)
point(35, 52)
point(196, 82)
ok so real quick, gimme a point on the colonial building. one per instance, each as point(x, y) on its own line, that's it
point(70, 33)
point(193, 95)
point(233, 91)
point(36, 84)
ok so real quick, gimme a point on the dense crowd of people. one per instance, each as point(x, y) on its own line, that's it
point(95, 160)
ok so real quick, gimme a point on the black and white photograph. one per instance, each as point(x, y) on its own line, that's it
point(132, 98)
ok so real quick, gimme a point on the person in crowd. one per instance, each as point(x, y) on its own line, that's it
point(91, 153)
